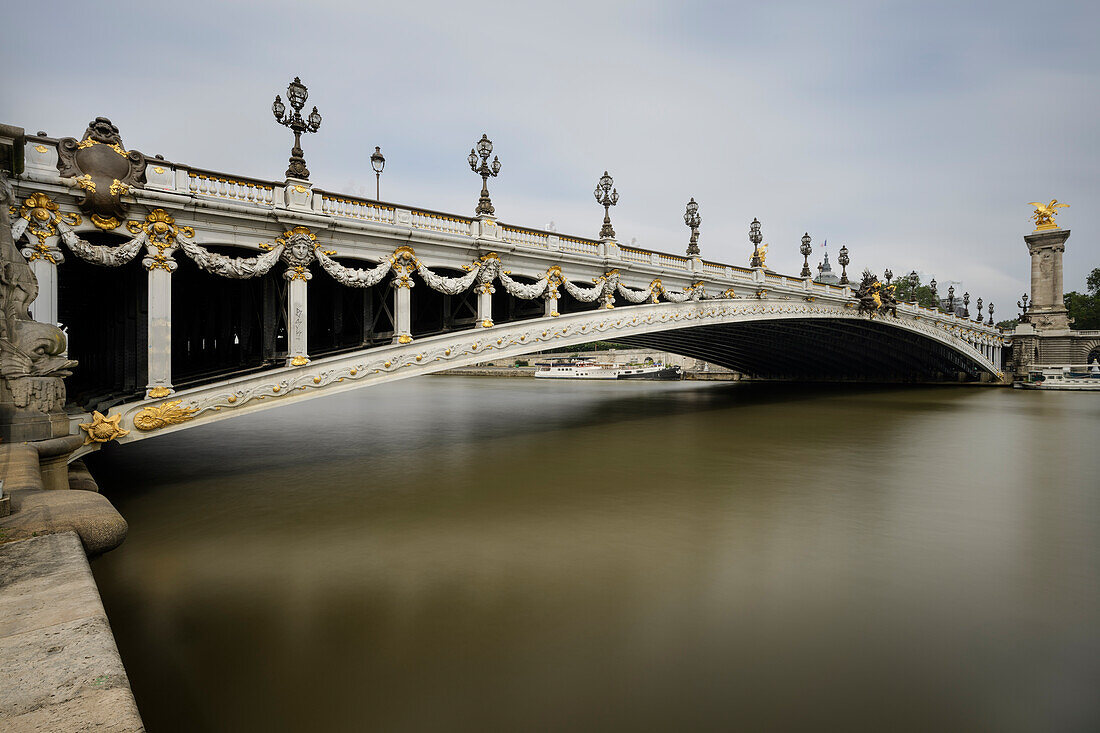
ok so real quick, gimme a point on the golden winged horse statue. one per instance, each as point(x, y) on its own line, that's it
point(1044, 214)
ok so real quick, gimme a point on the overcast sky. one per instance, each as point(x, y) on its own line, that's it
point(914, 133)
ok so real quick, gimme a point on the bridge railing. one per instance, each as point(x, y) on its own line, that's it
point(219, 185)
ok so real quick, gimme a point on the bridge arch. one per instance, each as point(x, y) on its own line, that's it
point(778, 338)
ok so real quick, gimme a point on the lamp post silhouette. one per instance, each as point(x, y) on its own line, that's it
point(606, 196)
point(806, 249)
point(843, 260)
point(483, 150)
point(755, 237)
point(296, 94)
point(966, 305)
point(693, 220)
point(377, 162)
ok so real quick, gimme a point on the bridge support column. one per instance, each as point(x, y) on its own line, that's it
point(485, 304)
point(159, 367)
point(551, 299)
point(44, 307)
point(402, 311)
point(297, 319)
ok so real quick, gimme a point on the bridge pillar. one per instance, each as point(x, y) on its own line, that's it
point(402, 312)
point(44, 307)
point(159, 366)
point(1047, 310)
point(296, 317)
point(551, 300)
point(485, 304)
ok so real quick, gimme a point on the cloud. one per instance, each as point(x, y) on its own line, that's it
point(914, 133)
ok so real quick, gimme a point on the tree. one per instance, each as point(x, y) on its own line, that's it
point(908, 286)
point(1084, 308)
point(1008, 325)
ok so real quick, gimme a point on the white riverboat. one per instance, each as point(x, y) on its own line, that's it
point(588, 369)
point(1062, 377)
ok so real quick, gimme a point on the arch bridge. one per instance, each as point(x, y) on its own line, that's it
point(191, 296)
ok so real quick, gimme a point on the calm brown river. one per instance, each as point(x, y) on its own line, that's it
point(462, 554)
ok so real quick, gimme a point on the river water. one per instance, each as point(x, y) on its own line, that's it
point(453, 553)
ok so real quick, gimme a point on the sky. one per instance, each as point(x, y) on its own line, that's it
point(914, 133)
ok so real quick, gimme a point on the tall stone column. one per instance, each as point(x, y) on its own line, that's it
point(404, 264)
point(1047, 310)
point(44, 307)
point(485, 304)
point(402, 312)
point(159, 383)
point(297, 320)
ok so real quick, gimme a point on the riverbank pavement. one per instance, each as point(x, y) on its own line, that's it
point(61, 671)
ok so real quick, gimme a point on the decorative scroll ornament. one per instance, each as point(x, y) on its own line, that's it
point(604, 289)
point(554, 280)
point(153, 417)
point(1044, 214)
point(524, 291)
point(100, 254)
point(448, 285)
point(404, 264)
point(640, 296)
point(238, 268)
point(39, 217)
point(694, 291)
point(103, 429)
point(162, 235)
point(350, 276)
point(103, 169)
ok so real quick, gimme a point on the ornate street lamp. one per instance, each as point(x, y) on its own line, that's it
point(966, 304)
point(606, 196)
point(484, 150)
point(1023, 309)
point(377, 162)
point(806, 249)
point(755, 237)
point(979, 310)
point(951, 300)
point(888, 275)
point(296, 94)
point(990, 322)
point(913, 287)
point(843, 260)
point(935, 295)
point(693, 220)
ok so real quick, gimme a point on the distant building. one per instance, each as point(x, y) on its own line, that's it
point(825, 272)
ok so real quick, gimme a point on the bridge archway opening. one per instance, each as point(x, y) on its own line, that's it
point(817, 350)
point(508, 308)
point(236, 326)
point(434, 312)
point(344, 319)
point(568, 304)
point(104, 311)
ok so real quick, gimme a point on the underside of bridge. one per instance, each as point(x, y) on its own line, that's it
point(815, 350)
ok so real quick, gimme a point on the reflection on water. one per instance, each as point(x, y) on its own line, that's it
point(464, 554)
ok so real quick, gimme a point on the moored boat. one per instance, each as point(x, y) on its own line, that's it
point(588, 369)
point(1085, 377)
